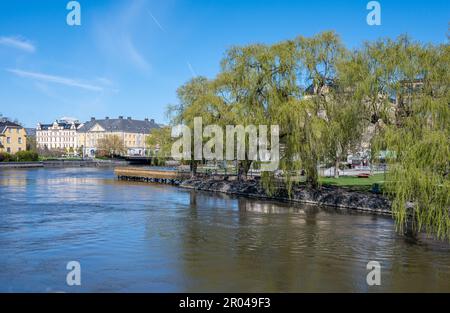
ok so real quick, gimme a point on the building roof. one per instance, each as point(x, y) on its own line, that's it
point(30, 132)
point(5, 124)
point(121, 124)
point(65, 125)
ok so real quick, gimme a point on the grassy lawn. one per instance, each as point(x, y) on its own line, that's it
point(354, 182)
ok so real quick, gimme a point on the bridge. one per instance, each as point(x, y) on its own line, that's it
point(140, 160)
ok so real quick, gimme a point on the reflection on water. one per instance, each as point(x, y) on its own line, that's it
point(139, 237)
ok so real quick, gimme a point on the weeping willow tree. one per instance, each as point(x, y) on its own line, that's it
point(304, 144)
point(417, 145)
point(197, 99)
point(255, 82)
point(348, 91)
point(325, 120)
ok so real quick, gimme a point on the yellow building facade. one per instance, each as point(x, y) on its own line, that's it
point(13, 137)
point(132, 133)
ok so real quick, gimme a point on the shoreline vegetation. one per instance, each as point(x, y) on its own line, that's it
point(387, 99)
point(341, 195)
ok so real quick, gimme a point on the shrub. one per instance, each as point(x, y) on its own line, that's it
point(54, 153)
point(5, 157)
point(26, 156)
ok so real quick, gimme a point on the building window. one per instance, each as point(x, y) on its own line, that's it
point(8, 139)
point(20, 140)
point(8, 150)
point(20, 149)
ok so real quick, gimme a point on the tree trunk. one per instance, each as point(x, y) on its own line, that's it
point(312, 180)
point(312, 176)
point(243, 168)
point(241, 171)
point(193, 168)
point(336, 168)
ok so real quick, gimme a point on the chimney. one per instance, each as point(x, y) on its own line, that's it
point(92, 119)
point(121, 117)
point(129, 117)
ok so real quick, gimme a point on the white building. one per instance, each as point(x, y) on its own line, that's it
point(60, 135)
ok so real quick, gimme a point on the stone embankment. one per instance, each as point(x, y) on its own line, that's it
point(326, 195)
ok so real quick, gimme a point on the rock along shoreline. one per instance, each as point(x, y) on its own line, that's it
point(331, 196)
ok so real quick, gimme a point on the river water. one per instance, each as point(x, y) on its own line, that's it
point(131, 237)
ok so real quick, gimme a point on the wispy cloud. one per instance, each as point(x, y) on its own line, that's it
point(156, 21)
point(134, 55)
point(108, 84)
point(55, 79)
point(18, 43)
point(116, 31)
point(191, 69)
point(104, 81)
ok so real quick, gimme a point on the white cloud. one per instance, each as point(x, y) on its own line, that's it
point(55, 79)
point(18, 43)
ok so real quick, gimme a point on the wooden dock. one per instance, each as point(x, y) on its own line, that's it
point(150, 175)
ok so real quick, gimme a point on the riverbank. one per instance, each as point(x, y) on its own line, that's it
point(332, 196)
point(63, 163)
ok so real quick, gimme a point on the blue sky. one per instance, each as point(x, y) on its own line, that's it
point(129, 56)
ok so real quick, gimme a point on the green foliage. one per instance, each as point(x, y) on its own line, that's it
point(31, 143)
point(160, 143)
point(21, 156)
point(419, 141)
point(26, 156)
point(196, 99)
point(5, 157)
point(347, 91)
